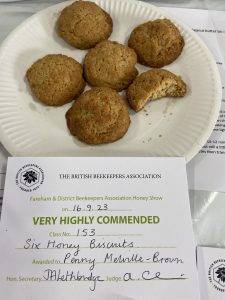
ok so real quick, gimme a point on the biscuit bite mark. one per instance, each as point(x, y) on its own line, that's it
point(152, 85)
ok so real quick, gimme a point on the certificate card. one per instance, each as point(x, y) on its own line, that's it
point(97, 228)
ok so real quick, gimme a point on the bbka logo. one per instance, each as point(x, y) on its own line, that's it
point(216, 274)
point(29, 177)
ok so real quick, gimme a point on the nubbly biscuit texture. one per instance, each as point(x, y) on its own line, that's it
point(56, 79)
point(84, 24)
point(98, 116)
point(110, 64)
point(157, 43)
point(154, 84)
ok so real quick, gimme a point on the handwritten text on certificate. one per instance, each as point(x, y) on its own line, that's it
point(98, 228)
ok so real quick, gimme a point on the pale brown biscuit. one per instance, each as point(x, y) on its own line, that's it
point(157, 43)
point(110, 64)
point(154, 84)
point(56, 79)
point(98, 116)
point(84, 24)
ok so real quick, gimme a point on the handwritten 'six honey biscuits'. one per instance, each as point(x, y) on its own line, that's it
point(152, 85)
point(98, 116)
point(110, 64)
point(56, 79)
point(84, 24)
point(157, 43)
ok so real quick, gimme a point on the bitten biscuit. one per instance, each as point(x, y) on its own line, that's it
point(56, 79)
point(154, 84)
point(98, 116)
point(157, 43)
point(110, 64)
point(84, 24)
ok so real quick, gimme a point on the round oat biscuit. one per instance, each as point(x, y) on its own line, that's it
point(157, 43)
point(98, 116)
point(56, 79)
point(152, 85)
point(83, 24)
point(110, 64)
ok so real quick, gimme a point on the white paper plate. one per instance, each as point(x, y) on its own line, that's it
point(168, 127)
